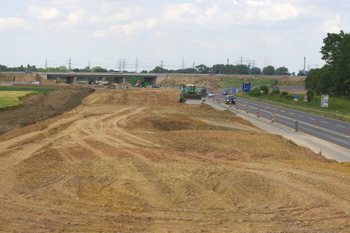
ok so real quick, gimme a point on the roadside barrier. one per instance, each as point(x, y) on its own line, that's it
point(317, 123)
point(272, 117)
point(247, 109)
point(257, 112)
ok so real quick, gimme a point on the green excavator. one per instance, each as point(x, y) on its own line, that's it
point(189, 95)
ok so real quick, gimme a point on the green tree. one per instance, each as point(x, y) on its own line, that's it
point(268, 70)
point(203, 69)
point(219, 69)
point(98, 69)
point(255, 71)
point(281, 71)
point(159, 70)
point(242, 69)
point(336, 53)
point(320, 80)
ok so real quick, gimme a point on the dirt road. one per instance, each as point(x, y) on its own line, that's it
point(135, 160)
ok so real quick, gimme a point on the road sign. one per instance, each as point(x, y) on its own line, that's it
point(324, 101)
point(305, 99)
point(246, 86)
point(296, 97)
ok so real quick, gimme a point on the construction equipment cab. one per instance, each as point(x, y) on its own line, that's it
point(189, 95)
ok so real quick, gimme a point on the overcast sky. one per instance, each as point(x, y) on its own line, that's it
point(174, 33)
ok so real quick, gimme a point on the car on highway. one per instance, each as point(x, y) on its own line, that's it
point(230, 99)
point(211, 94)
point(224, 93)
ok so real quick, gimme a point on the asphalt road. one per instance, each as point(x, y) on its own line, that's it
point(330, 130)
point(322, 135)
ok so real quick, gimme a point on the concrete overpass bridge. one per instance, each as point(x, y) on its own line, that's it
point(116, 77)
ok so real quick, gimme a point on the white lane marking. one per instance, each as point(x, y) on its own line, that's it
point(324, 122)
point(301, 115)
point(312, 119)
point(340, 126)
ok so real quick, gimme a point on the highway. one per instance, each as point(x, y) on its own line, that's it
point(330, 130)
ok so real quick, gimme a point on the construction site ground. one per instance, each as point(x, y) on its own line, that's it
point(136, 160)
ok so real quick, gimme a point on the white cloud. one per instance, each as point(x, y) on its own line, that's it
point(44, 13)
point(74, 19)
point(12, 23)
point(270, 11)
point(331, 25)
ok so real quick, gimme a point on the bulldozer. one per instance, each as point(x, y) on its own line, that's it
point(189, 95)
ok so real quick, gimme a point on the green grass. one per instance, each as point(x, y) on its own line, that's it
point(338, 107)
point(237, 82)
point(12, 99)
point(28, 88)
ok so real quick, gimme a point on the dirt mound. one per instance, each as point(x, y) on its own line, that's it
point(135, 160)
point(42, 106)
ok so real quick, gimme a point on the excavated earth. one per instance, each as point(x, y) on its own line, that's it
point(135, 160)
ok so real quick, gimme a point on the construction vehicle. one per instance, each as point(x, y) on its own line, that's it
point(189, 95)
point(137, 82)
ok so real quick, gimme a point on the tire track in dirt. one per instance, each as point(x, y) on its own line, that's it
point(97, 169)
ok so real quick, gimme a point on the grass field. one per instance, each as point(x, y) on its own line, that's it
point(237, 82)
point(263, 81)
point(338, 108)
point(38, 89)
point(11, 99)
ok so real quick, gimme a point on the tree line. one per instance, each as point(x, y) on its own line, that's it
point(200, 69)
point(226, 69)
point(334, 77)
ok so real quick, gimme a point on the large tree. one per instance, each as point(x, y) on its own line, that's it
point(268, 70)
point(255, 70)
point(203, 69)
point(319, 80)
point(282, 71)
point(336, 53)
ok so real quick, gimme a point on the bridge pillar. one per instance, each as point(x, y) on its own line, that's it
point(119, 80)
point(71, 80)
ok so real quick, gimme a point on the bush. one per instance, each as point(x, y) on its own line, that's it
point(275, 92)
point(284, 93)
point(265, 89)
point(289, 97)
point(310, 94)
point(255, 92)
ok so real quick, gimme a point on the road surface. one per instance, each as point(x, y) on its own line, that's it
point(326, 136)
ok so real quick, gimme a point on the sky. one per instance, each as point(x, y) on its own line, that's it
point(142, 34)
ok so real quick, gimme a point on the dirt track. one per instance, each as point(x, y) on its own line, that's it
point(135, 160)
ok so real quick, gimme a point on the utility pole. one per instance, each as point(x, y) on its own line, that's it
point(241, 60)
point(228, 61)
point(69, 64)
point(46, 64)
point(123, 64)
point(253, 65)
point(120, 65)
point(161, 63)
point(136, 65)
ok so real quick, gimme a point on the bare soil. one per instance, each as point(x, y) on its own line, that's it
point(135, 160)
point(42, 106)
